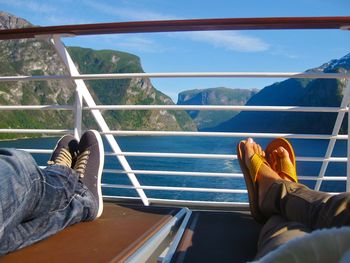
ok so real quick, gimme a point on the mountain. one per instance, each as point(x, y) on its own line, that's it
point(295, 92)
point(213, 96)
point(33, 57)
point(126, 91)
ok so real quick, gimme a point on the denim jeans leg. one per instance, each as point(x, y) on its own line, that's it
point(19, 189)
point(81, 207)
point(54, 200)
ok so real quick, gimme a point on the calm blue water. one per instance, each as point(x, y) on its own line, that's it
point(315, 148)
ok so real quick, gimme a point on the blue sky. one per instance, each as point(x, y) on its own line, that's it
point(266, 51)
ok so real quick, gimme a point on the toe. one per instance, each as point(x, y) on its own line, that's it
point(249, 147)
point(260, 150)
point(282, 153)
point(273, 159)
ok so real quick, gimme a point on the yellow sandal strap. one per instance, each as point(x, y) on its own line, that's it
point(287, 169)
point(254, 165)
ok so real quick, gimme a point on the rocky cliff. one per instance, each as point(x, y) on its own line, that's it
point(32, 57)
point(295, 92)
point(214, 96)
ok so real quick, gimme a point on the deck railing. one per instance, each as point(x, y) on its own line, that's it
point(82, 93)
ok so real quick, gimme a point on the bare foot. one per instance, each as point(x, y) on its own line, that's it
point(266, 176)
point(278, 155)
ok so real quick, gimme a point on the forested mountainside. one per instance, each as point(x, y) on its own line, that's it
point(214, 96)
point(295, 92)
point(32, 57)
point(126, 91)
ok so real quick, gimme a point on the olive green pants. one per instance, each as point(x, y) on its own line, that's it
point(294, 210)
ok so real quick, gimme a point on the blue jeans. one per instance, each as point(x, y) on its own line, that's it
point(37, 203)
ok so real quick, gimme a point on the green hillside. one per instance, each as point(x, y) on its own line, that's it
point(32, 57)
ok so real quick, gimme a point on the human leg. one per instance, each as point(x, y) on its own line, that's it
point(276, 232)
point(295, 201)
point(312, 208)
point(64, 201)
point(319, 209)
point(58, 198)
point(20, 184)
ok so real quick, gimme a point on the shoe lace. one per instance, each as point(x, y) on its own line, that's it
point(81, 162)
point(63, 158)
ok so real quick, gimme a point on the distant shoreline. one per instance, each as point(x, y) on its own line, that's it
point(26, 138)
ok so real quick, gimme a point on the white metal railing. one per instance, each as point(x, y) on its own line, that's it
point(195, 155)
point(82, 93)
point(78, 76)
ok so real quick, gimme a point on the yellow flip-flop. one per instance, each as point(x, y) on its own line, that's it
point(282, 167)
point(250, 173)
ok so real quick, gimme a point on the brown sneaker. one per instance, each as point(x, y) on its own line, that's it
point(65, 151)
point(89, 164)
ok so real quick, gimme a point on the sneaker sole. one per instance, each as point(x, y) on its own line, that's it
point(99, 175)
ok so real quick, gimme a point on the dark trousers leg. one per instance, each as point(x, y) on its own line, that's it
point(277, 231)
point(294, 210)
point(314, 209)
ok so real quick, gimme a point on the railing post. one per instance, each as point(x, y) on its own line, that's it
point(83, 90)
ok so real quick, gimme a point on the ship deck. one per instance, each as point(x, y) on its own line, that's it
point(209, 236)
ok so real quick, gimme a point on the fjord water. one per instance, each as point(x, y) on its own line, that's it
point(202, 145)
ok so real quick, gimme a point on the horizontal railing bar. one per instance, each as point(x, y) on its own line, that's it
point(261, 23)
point(198, 134)
point(321, 159)
point(179, 133)
point(174, 155)
point(180, 75)
point(183, 202)
point(51, 131)
point(189, 202)
point(228, 134)
point(325, 178)
point(194, 155)
point(218, 108)
point(172, 188)
point(230, 175)
point(217, 156)
point(37, 107)
point(178, 107)
point(207, 203)
point(182, 173)
point(44, 151)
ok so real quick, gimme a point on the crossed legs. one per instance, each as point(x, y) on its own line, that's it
point(292, 209)
point(37, 203)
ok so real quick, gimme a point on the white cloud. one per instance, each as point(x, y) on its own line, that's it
point(233, 41)
point(284, 52)
point(129, 43)
point(136, 43)
point(128, 13)
point(62, 20)
point(30, 5)
point(229, 40)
